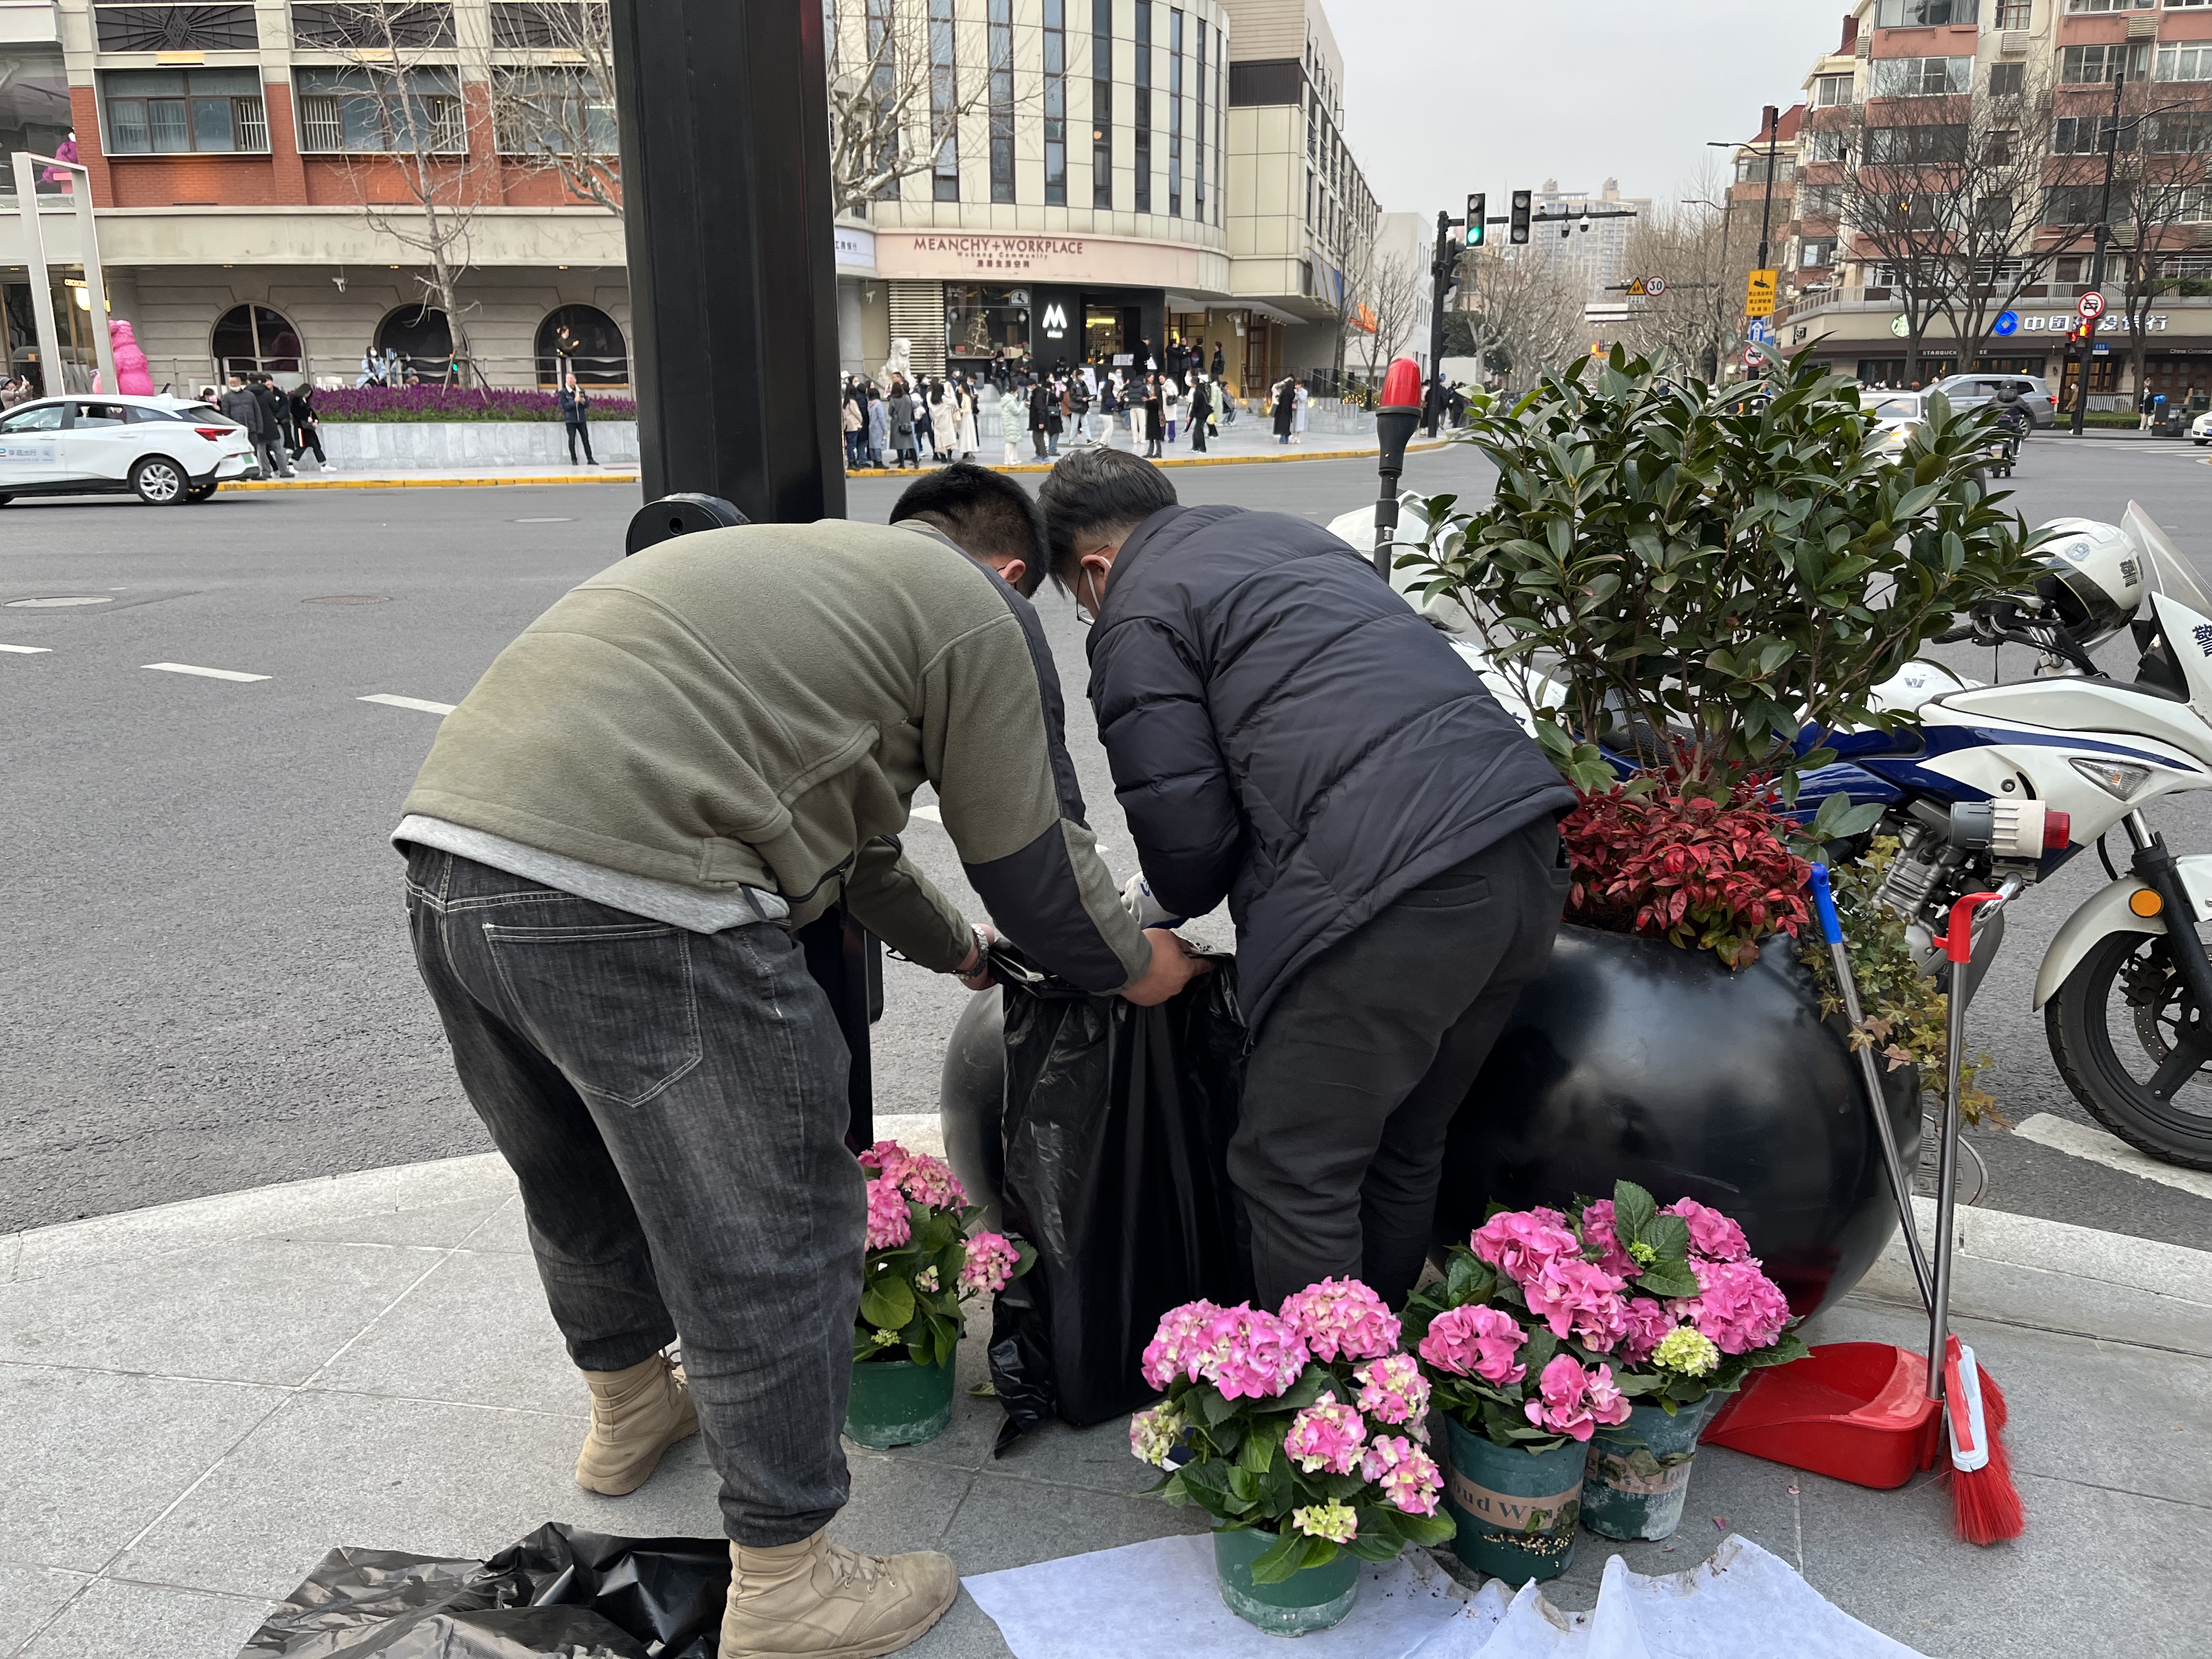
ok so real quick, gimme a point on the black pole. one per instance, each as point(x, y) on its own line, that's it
point(723, 110)
point(1440, 269)
point(1766, 213)
point(2097, 266)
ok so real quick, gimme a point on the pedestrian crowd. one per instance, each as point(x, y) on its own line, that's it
point(895, 420)
point(282, 425)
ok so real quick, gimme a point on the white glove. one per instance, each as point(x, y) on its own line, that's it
point(1137, 899)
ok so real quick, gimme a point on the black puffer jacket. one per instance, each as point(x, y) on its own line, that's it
point(1286, 732)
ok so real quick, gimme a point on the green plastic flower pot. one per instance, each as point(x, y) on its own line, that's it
point(1310, 1599)
point(1638, 1477)
point(1516, 1509)
point(895, 1402)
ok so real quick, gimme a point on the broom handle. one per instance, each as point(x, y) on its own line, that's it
point(1959, 946)
point(1831, 928)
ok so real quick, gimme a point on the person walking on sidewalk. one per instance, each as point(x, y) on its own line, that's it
point(690, 755)
point(1013, 409)
point(273, 411)
point(1155, 416)
point(576, 418)
point(1285, 732)
point(1285, 407)
point(240, 406)
point(307, 425)
point(1299, 398)
point(1201, 413)
point(854, 424)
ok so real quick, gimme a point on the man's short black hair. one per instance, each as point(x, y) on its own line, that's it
point(1095, 496)
point(987, 513)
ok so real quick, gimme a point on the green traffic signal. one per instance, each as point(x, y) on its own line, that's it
point(1474, 210)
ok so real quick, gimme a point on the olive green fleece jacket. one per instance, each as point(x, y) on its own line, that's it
point(758, 706)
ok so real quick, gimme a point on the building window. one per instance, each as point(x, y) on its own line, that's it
point(556, 25)
point(983, 323)
point(1141, 97)
point(2117, 5)
point(1816, 255)
point(1198, 130)
point(2078, 204)
point(1895, 146)
point(552, 111)
point(1174, 114)
point(1055, 103)
point(248, 338)
point(2015, 14)
point(175, 29)
point(414, 112)
point(2179, 132)
point(176, 112)
point(2007, 80)
point(422, 337)
point(1828, 144)
point(1220, 119)
point(2185, 62)
point(882, 79)
point(2092, 135)
point(1925, 14)
point(34, 108)
point(944, 104)
point(1921, 77)
point(1752, 169)
point(1821, 201)
point(1101, 103)
point(1831, 90)
point(367, 25)
point(2087, 65)
point(583, 341)
point(1000, 31)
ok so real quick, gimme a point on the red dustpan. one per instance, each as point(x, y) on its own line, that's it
point(1855, 1411)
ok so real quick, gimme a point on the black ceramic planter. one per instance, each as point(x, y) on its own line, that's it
point(1632, 1058)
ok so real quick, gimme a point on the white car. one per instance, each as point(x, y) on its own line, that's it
point(2200, 430)
point(1899, 416)
point(167, 450)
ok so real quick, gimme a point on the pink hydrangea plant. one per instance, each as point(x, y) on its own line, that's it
point(1712, 1235)
point(1598, 1234)
point(1737, 1306)
point(1341, 1319)
point(1646, 1324)
point(1518, 1243)
point(1476, 1341)
point(1569, 1294)
point(1328, 1436)
point(1250, 1355)
point(1408, 1475)
point(889, 1224)
point(1174, 1348)
point(1572, 1401)
point(1393, 1390)
point(992, 1259)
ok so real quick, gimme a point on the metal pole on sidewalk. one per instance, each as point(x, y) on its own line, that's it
point(2104, 234)
point(51, 382)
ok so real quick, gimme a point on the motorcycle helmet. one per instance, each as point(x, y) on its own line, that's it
point(2096, 580)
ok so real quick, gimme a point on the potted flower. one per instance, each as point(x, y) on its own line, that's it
point(1688, 589)
point(1572, 1356)
point(922, 1262)
point(1302, 1434)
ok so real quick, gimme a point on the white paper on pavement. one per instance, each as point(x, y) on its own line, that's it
point(1157, 1599)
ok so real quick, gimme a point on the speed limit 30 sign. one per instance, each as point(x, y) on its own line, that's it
point(2092, 305)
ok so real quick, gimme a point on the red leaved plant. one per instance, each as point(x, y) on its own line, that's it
point(1685, 868)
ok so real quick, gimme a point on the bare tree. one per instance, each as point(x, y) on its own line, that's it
point(904, 76)
point(1394, 284)
point(396, 118)
point(1522, 312)
point(2162, 178)
point(1703, 260)
point(556, 109)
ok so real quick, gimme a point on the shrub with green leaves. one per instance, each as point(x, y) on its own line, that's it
point(1706, 573)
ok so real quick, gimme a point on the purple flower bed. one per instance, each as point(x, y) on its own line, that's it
point(453, 403)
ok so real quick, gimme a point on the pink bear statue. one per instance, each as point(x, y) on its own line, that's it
point(130, 372)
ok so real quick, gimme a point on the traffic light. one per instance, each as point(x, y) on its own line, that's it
point(1521, 201)
point(1475, 204)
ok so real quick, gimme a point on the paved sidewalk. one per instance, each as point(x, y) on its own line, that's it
point(203, 1398)
point(456, 477)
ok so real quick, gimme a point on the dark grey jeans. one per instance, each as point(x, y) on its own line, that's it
point(1365, 1059)
point(674, 1105)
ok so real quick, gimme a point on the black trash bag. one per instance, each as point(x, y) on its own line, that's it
point(1116, 1131)
point(562, 1591)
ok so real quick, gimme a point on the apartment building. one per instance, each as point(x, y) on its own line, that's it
point(1141, 171)
point(255, 170)
point(2005, 107)
point(1588, 253)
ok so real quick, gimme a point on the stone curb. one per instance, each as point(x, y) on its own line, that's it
point(400, 482)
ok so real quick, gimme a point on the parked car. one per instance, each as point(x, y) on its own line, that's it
point(166, 450)
point(1898, 417)
point(1971, 391)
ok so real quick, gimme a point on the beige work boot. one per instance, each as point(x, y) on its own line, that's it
point(637, 1414)
point(817, 1600)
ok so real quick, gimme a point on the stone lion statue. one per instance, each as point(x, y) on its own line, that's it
point(900, 362)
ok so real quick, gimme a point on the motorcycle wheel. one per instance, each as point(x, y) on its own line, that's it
point(2121, 1016)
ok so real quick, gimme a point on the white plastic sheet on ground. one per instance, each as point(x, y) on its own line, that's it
point(1157, 1599)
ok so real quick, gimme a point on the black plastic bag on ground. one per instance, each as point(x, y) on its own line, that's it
point(561, 1592)
point(1116, 1130)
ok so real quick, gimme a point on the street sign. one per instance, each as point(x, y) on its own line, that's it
point(1759, 293)
point(1762, 332)
point(1639, 288)
point(2102, 349)
point(1655, 286)
point(2010, 323)
point(2092, 305)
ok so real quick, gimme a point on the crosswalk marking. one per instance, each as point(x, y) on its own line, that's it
point(29, 650)
point(2064, 1135)
point(389, 700)
point(205, 673)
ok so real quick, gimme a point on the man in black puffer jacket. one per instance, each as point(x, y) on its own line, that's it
point(1285, 732)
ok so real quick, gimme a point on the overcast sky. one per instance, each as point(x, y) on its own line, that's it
point(1442, 97)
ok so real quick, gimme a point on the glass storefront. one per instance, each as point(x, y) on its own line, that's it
point(34, 109)
point(983, 323)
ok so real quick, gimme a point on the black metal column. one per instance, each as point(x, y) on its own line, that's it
point(723, 106)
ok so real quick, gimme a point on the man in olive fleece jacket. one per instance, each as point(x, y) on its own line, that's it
point(695, 750)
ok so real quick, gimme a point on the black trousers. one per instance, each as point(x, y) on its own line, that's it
point(579, 431)
point(1363, 1062)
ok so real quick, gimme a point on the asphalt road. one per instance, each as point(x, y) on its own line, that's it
point(206, 983)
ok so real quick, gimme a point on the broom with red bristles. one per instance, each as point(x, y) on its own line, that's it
point(1985, 1504)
